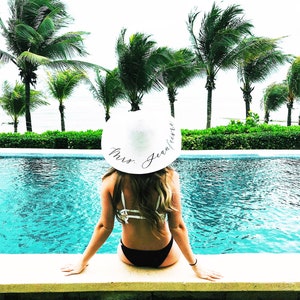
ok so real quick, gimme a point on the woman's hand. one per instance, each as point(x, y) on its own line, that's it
point(73, 269)
point(205, 273)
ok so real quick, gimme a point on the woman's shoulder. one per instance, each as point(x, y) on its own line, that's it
point(110, 175)
point(109, 179)
point(173, 173)
point(173, 176)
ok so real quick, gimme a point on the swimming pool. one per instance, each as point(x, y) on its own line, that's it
point(245, 202)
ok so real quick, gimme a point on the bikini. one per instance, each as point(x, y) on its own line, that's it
point(142, 258)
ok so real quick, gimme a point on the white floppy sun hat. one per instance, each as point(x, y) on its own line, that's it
point(140, 142)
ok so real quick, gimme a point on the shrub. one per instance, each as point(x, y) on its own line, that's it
point(236, 135)
point(53, 140)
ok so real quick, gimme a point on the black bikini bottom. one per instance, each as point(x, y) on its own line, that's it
point(147, 258)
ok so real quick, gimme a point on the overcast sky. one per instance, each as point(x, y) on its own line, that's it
point(165, 21)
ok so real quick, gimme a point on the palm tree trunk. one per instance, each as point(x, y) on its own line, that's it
point(247, 90)
point(15, 125)
point(247, 103)
point(289, 116)
point(134, 100)
point(172, 99)
point(172, 109)
point(27, 105)
point(62, 116)
point(208, 110)
point(267, 117)
point(134, 104)
point(210, 86)
point(107, 114)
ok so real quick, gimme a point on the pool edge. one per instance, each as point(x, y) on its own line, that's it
point(32, 273)
point(95, 153)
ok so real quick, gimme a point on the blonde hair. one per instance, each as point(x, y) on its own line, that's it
point(146, 188)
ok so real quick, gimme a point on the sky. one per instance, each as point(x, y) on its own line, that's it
point(165, 22)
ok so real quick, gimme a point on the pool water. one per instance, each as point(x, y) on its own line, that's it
point(230, 205)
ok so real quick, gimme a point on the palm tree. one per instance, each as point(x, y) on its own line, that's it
point(61, 86)
point(260, 56)
point(33, 37)
point(139, 63)
point(275, 95)
point(178, 72)
point(289, 90)
point(13, 101)
point(294, 85)
point(108, 90)
point(215, 45)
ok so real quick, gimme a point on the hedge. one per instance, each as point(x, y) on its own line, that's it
point(52, 140)
point(263, 140)
point(218, 138)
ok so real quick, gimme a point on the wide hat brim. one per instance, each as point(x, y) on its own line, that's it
point(140, 142)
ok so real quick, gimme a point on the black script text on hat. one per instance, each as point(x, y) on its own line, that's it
point(168, 147)
point(116, 154)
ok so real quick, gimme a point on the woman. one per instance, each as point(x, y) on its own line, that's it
point(143, 192)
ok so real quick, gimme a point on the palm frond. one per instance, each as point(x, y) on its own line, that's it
point(294, 77)
point(27, 36)
point(66, 46)
point(13, 99)
point(5, 57)
point(47, 27)
point(63, 83)
point(258, 57)
point(108, 89)
point(3, 27)
point(180, 69)
point(32, 58)
point(65, 64)
point(275, 95)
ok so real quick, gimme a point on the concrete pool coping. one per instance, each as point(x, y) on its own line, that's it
point(40, 273)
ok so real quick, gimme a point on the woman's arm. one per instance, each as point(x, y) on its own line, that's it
point(176, 223)
point(101, 232)
point(180, 233)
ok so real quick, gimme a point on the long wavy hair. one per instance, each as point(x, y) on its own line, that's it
point(146, 188)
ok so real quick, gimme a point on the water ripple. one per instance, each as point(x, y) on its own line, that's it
point(244, 205)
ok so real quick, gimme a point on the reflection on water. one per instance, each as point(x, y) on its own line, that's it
point(50, 205)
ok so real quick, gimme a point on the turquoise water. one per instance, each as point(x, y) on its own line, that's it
point(230, 205)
